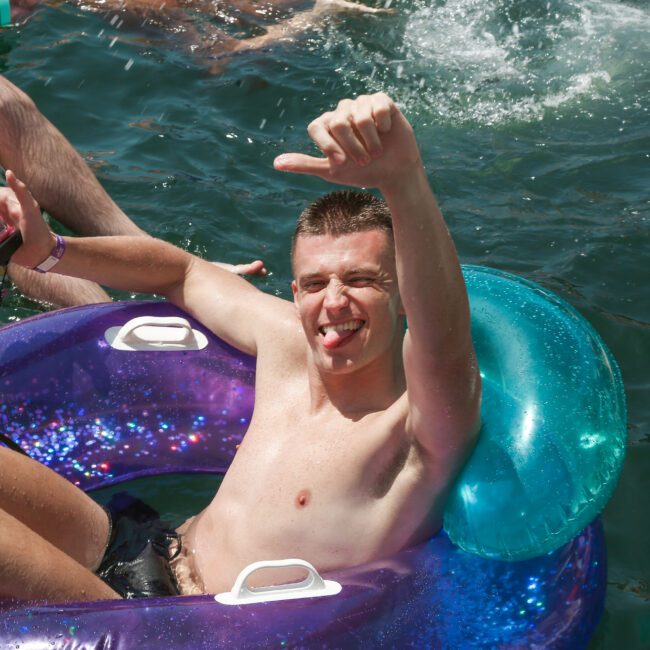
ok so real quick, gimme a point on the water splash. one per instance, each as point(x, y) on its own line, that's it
point(502, 60)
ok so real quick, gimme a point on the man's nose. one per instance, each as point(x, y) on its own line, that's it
point(335, 295)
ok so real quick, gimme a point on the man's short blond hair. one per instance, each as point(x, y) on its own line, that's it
point(342, 213)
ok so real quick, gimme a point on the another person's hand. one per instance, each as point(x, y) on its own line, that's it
point(367, 143)
point(19, 209)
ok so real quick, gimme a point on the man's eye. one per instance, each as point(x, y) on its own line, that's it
point(360, 281)
point(313, 285)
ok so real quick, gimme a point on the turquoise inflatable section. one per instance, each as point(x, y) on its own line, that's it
point(553, 432)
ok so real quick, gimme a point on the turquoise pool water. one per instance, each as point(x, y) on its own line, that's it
point(532, 119)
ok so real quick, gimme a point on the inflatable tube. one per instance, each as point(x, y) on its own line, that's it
point(99, 415)
point(554, 423)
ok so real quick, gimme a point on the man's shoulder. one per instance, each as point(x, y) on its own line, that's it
point(281, 339)
point(281, 325)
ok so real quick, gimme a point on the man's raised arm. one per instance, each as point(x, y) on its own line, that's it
point(368, 143)
point(231, 307)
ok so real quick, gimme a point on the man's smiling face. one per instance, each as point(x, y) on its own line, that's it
point(346, 295)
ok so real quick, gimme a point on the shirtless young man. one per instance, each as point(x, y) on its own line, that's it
point(358, 428)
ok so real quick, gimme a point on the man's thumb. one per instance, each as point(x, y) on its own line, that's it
point(299, 163)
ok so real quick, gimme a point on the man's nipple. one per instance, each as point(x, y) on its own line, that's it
point(303, 498)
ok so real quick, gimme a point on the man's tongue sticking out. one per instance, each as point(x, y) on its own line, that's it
point(334, 338)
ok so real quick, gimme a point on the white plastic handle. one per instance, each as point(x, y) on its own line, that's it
point(312, 586)
point(163, 333)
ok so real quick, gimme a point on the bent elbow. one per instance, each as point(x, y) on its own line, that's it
point(175, 289)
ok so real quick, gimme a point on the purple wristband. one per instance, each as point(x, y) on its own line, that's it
point(54, 257)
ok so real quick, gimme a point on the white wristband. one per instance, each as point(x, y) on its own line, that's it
point(54, 257)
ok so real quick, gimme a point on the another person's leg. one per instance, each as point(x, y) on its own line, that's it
point(62, 184)
point(52, 535)
point(53, 508)
point(31, 568)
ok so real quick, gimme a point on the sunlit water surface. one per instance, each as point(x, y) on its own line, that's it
point(533, 123)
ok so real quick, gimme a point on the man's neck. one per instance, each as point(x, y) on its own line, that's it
point(354, 394)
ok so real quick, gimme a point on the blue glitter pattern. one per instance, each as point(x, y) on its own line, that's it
point(94, 413)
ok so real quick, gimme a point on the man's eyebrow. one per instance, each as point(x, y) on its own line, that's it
point(310, 276)
point(364, 270)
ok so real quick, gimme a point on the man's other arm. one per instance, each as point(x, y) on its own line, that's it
point(226, 303)
point(442, 375)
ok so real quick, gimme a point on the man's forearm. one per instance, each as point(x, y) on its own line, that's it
point(141, 264)
point(431, 283)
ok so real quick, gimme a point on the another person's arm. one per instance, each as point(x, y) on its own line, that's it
point(369, 143)
point(220, 299)
point(303, 20)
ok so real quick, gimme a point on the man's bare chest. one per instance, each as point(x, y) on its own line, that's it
point(296, 451)
point(292, 446)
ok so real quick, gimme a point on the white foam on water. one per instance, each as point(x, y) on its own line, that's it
point(580, 84)
point(497, 61)
point(453, 37)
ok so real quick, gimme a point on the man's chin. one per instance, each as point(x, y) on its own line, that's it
point(336, 364)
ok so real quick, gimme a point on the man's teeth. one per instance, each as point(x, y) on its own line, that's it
point(342, 327)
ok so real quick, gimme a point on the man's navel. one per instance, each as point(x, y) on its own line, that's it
point(303, 498)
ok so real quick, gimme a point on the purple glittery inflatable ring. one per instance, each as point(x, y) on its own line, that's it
point(99, 415)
